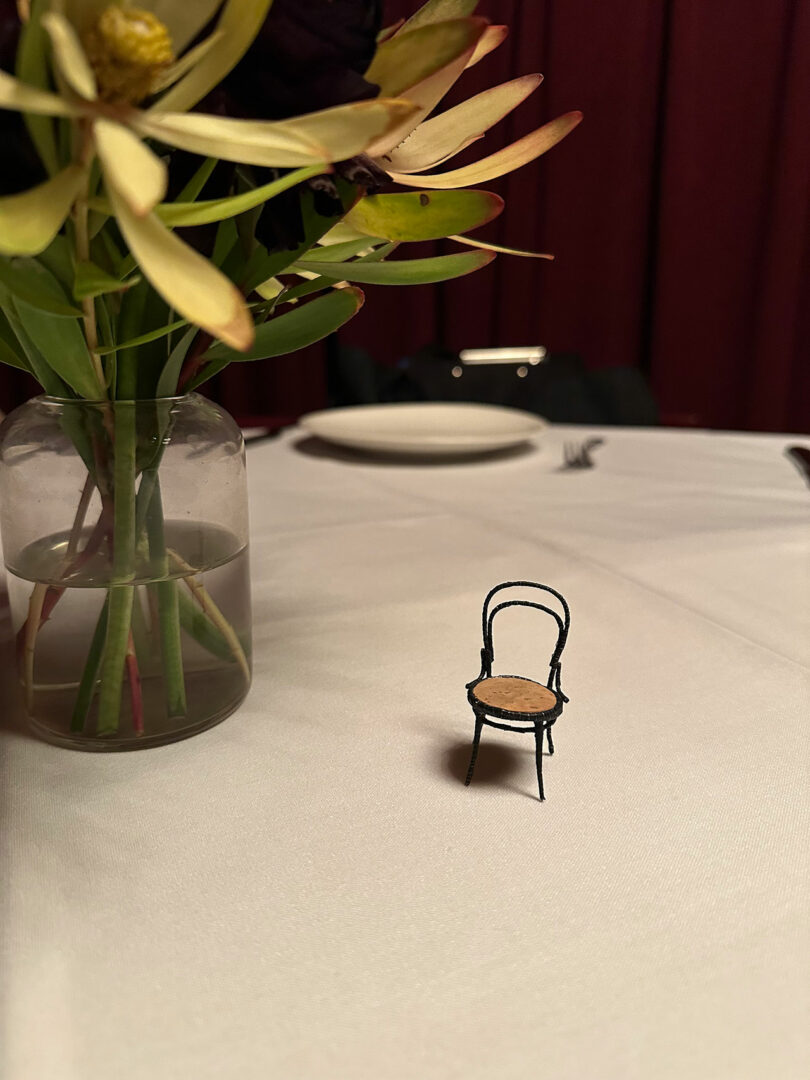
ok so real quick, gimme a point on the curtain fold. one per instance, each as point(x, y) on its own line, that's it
point(730, 271)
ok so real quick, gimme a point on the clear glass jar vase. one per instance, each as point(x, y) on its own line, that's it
point(125, 537)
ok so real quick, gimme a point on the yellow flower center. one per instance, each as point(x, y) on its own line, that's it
point(128, 48)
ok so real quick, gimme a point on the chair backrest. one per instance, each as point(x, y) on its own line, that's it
point(489, 613)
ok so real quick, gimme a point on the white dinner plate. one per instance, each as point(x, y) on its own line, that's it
point(425, 428)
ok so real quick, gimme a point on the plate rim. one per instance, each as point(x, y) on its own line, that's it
point(424, 444)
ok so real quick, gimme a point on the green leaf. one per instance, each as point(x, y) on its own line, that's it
point(107, 337)
point(145, 339)
point(167, 383)
point(10, 348)
point(58, 341)
point(9, 357)
point(96, 220)
point(30, 282)
point(32, 68)
point(345, 250)
point(500, 249)
point(106, 333)
point(58, 258)
point(439, 10)
point(424, 215)
point(378, 254)
point(305, 288)
point(91, 280)
point(198, 181)
point(105, 253)
point(224, 243)
point(318, 284)
point(180, 214)
point(61, 342)
point(413, 55)
point(297, 328)
point(406, 272)
point(42, 372)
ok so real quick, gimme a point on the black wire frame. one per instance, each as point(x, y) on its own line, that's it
point(538, 722)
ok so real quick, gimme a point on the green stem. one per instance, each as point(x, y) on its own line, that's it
point(87, 686)
point(206, 602)
point(120, 593)
point(168, 607)
point(197, 625)
point(115, 653)
point(124, 494)
point(83, 255)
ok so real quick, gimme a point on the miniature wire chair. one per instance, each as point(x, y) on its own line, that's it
point(513, 702)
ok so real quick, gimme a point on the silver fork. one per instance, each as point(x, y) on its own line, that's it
point(578, 455)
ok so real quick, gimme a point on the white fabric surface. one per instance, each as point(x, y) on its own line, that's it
point(308, 891)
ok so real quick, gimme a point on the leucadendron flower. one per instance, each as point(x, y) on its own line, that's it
point(126, 73)
point(421, 60)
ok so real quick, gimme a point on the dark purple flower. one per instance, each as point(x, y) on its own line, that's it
point(309, 55)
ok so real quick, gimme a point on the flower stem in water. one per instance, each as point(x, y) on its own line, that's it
point(120, 594)
point(168, 610)
point(87, 686)
point(201, 595)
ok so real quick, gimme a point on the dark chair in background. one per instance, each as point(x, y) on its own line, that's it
point(558, 386)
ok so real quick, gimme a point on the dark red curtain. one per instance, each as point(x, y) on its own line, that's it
point(678, 212)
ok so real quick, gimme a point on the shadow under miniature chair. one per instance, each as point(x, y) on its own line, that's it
point(514, 702)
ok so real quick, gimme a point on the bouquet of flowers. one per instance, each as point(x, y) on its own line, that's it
point(190, 185)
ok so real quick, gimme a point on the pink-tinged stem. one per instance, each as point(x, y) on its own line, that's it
point(81, 514)
point(29, 643)
point(134, 679)
point(194, 361)
point(53, 593)
point(94, 542)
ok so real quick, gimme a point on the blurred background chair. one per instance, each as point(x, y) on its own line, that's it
point(556, 386)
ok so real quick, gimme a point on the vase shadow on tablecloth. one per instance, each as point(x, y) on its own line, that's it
point(312, 446)
point(497, 764)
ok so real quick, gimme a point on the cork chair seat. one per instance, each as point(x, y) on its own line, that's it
point(510, 694)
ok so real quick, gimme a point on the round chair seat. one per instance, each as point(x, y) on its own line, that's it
point(514, 694)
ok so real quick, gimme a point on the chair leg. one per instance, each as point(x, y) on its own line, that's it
point(479, 723)
point(550, 743)
point(538, 757)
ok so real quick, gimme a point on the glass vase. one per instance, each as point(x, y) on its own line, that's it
point(125, 537)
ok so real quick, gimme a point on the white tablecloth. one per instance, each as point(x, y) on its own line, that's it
point(309, 892)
